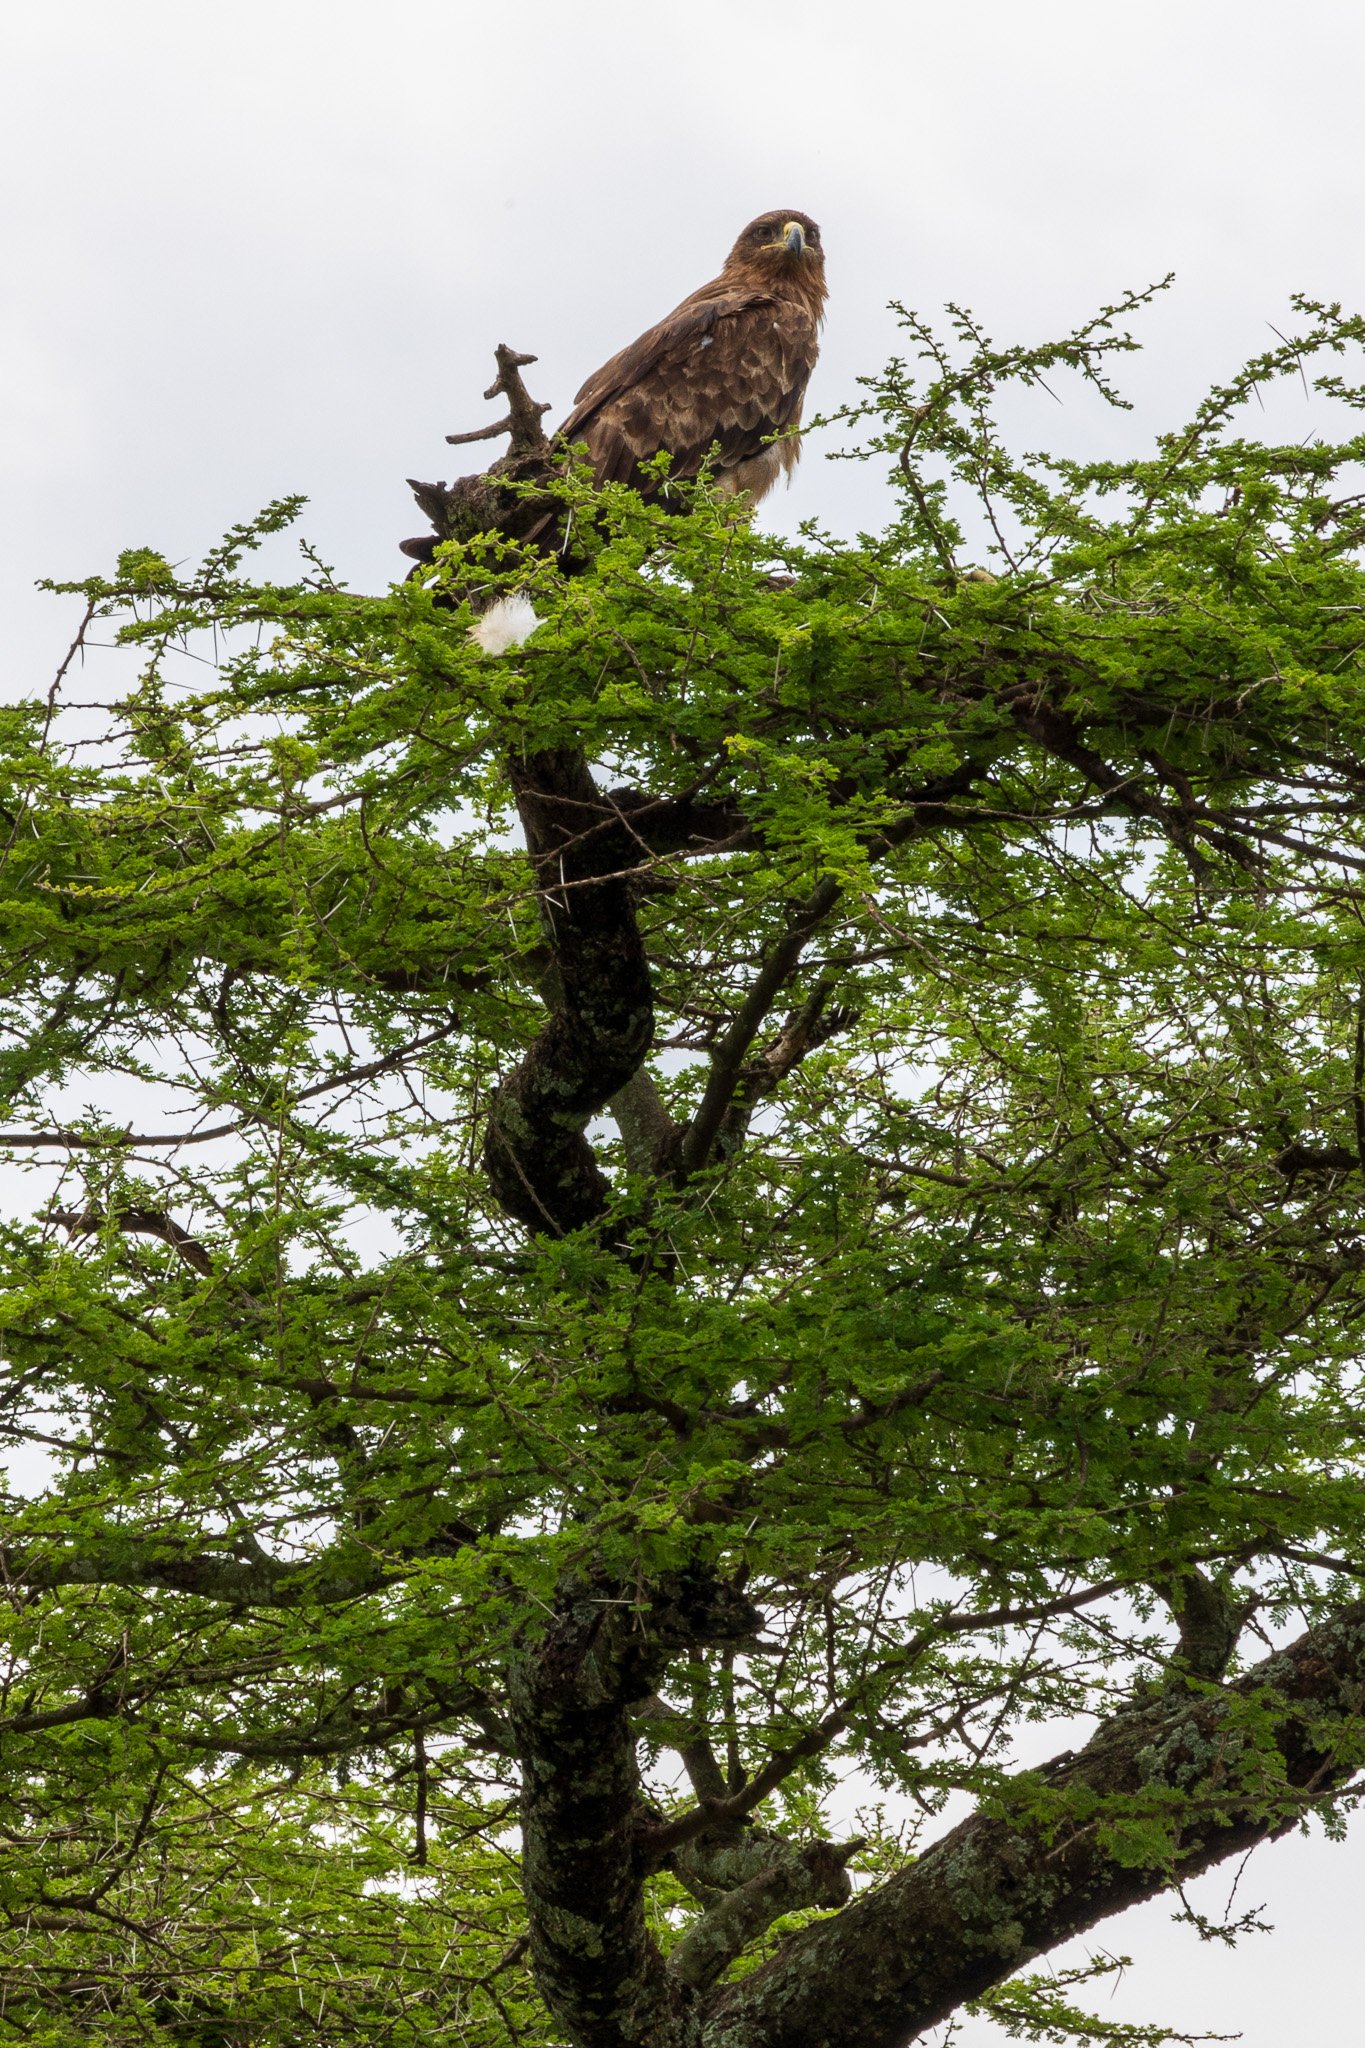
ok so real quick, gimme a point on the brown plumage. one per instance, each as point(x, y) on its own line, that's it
point(726, 370)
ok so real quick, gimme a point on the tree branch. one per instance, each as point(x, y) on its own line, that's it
point(596, 1963)
point(1212, 1770)
point(540, 1165)
point(523, 414)
point(648, 1133)
point(812, 1025)
point(727, 1062)
point(791, 1876)
point(138, 1222)
point(257, 1581)
point(482, 504)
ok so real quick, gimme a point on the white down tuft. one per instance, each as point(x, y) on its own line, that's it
point(505, 624)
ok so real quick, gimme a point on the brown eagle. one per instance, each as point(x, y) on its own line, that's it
point(724, 372)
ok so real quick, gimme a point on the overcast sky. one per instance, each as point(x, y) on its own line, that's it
point(250, 249)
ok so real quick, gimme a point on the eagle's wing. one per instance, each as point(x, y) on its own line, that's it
point(724, 367)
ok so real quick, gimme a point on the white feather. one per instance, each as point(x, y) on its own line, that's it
point(505, 624)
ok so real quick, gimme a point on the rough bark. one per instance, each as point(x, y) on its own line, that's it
point(649, 1134)
point(753, 1878)
point(540, 1165)
point(597, 1966)
point(1007, 1884)
point(257, 1580)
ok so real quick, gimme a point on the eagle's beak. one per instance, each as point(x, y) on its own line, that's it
point(793, 238)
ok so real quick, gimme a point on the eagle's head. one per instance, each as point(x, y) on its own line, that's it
point(781, 245)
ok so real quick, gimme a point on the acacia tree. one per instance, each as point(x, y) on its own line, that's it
point(643, 1250)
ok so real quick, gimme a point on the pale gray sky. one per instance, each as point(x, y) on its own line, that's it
point(258, 248)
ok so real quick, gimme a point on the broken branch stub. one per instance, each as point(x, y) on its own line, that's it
point(523, 414)
point(483, 503)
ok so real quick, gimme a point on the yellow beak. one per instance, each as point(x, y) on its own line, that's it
point(793, 237)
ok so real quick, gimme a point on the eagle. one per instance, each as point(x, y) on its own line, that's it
point(720, 380)
point(720, 375)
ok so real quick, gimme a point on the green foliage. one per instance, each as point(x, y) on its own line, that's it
point(1037, 2008)
point(1030, 1289)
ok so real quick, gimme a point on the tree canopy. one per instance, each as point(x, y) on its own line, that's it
point(646, 1255)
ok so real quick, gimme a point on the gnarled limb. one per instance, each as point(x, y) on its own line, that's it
point(522, 421)
point(1004, 1886)
point(1209, 1621)
point(788, 1876)
point(540, 1165)
point(483, 504)
point(682, 823)
point(597, 1965)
